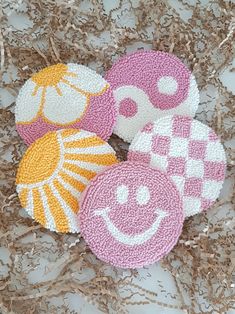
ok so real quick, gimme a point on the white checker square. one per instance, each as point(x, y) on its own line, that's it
point(194, 168)
point(178, 147)
point(165, 130)
point(179, 182)
point(199, 131)
point(211, 189)
point(191, 205)
point(158, 161)
point(215, 152)
point(143, 144)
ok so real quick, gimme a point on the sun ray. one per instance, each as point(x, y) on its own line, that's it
point(76, 176)
point(74, 135)
point(67, 197)
point(89, 150)
point(75, 183)
point(39, 214)
point(57, 211)
point(48, 214)
point(83, 172)
point(67, 211)
point(24, 195)
point(30, 208)
point(86, 165)
point(58, 90)
point(35, 91)
point(105, 159)
point(69, 187)
point(85, 142)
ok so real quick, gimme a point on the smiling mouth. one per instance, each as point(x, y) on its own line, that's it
point(131, 239)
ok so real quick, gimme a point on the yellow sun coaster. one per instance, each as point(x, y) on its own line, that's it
point(55, 170)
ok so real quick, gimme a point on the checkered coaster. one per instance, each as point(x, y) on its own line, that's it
point(190, 153)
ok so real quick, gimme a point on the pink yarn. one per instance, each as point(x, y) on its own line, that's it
point(148, 85)
point(125, 196)
point(99, 118)
point(128, 108)
point(189, 152)
point(144, 69)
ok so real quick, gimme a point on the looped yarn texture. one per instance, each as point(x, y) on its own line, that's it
point(55, 170)
point(189, 152)
point(65, 96)
point(131, 215)
point(148, 85)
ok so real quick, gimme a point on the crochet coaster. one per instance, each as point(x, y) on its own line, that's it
point(131, 215)
point(148, 85)
point(55, 170)
point(65, 96)
point(190, 153)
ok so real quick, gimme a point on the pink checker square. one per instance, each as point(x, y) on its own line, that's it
point(193, 187)
point(140, 156)
point(212, 136)
point(176, 166)
point(148, 128)
point(214, 170)
point(160, 144)
point(181, 126)
point(205, 203)
point(197, 149)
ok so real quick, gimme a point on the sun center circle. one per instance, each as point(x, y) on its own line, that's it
point(50, 76)
point(40, 161)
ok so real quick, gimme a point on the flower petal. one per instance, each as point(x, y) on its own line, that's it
point(86, 79)
point(28, 102)
point(63, 104)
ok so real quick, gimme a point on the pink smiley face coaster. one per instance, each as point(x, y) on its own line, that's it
point(148, 85)
point(131, 215)
point(65, 96)
point(189, 152)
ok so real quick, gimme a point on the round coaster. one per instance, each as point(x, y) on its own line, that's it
point(55, 170)
point(131, 215)
point(189, 152)
point(148, 85)
point(65, 96)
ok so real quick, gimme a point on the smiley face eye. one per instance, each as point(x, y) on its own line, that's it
point(142, 195)
point(122, 194)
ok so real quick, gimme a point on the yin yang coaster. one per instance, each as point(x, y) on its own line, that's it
point(148, 85)
point(55, 170)
point(189, 152)
point(65, 96)
point(131, 215)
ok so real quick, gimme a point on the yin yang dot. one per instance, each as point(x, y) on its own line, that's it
point(143, 195)
point(167, 85)
point(122, 194)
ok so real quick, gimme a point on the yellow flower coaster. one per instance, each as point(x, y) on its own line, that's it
point(55, 170)
point(65, 96)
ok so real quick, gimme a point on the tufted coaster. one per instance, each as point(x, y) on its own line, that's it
point(65, 96)
point(55, 170)
point(148, 85)
point(131, 215)
point(190, 153)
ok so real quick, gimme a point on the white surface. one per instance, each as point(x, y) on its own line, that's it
point(148, 278)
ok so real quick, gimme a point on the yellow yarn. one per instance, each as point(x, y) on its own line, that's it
point(55, 170)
